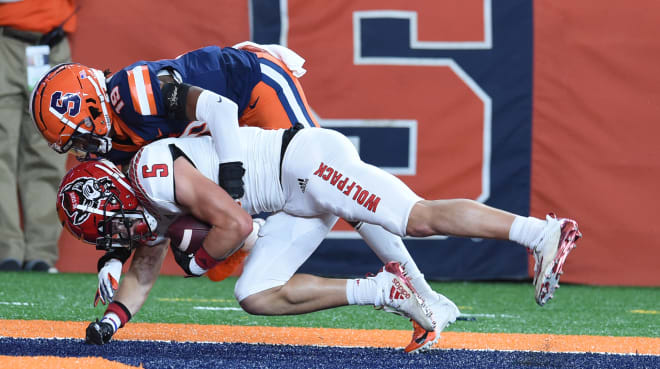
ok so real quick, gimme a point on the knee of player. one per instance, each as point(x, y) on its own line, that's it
point(255, 305)
point(419, 221)
point(249, 307)
point(419, 230)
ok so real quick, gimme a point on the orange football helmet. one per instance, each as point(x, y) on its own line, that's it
point(69, 106)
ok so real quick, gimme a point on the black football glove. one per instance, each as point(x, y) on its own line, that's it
point(230, 178)
point(98, 333)
point(183, 259)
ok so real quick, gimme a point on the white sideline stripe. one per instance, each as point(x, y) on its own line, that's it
point(185, 240)
point(217, 308)
point(16, 303)
point(490, 316)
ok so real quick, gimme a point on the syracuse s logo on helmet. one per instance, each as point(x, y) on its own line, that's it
point(69, 102)
point(82, 197)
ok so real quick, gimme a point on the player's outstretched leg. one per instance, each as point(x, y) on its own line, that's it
point(557, 240)
point(550, 241)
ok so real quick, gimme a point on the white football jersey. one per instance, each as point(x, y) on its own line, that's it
point(152, 170)
point(321, 174)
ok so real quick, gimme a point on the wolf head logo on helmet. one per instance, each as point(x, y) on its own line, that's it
point(96, 203)
point(85, 193)
point(69, 106)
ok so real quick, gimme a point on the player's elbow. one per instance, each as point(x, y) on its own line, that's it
point(235, 225)
point(242, 224)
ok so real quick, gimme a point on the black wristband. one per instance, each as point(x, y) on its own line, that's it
point(174, 99)
point(122, 254)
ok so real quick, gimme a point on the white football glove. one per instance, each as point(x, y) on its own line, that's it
point(108, 281)
point(251, 239)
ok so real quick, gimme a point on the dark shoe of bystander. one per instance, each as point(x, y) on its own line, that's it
point(10, 265)
point(36, 266)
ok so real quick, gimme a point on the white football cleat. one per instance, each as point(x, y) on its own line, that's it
point(399, 296)
point(558, 239)
point(445, 313)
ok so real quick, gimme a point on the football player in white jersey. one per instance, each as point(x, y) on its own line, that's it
point(309, 178)
point(97, 204)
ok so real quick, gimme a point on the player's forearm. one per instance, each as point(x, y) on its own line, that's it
point(141, 276)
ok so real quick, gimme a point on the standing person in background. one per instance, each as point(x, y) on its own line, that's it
point(32, 39)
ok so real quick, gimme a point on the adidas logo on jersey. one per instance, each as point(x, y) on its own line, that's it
point(397, 292)
point(303, 184)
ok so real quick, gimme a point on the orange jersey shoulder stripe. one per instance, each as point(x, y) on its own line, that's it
point(142, 95)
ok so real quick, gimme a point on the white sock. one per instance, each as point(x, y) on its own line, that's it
point(389, 247)
point(525, 230)
point(113, 319)
point(363, 292)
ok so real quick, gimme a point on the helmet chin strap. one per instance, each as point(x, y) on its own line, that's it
point(101, 91)
point(104, 144)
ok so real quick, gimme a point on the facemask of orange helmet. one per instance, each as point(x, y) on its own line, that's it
point(69, 106)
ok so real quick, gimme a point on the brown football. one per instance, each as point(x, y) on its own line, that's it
point(187, 233)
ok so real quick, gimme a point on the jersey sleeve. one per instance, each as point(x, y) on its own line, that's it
point(136, 100)
point(151, 173)
point(135, 93)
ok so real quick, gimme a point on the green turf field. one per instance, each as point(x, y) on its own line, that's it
point(497, 307)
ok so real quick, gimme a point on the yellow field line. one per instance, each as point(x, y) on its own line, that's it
point(337, 337)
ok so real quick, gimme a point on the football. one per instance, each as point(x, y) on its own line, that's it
point(187, 233)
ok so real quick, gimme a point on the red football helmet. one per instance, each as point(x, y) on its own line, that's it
point(97, 204)
point(69, 106)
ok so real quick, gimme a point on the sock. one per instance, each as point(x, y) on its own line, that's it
point(389, 247)
point(117, 314)
point(526, 230)
point(113, 319)
point(422, 287)
point(363, 292)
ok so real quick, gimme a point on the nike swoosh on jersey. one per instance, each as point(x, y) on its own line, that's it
point(255, 103)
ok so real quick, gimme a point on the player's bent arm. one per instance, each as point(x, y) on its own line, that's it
point(186, 102)
point(211, 204)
